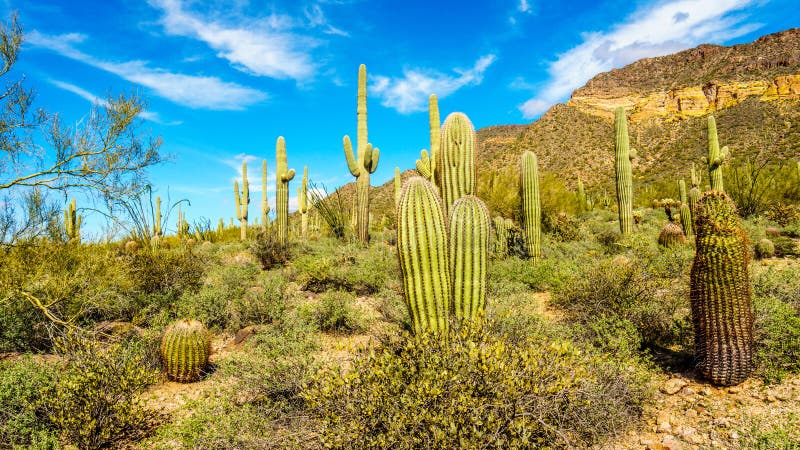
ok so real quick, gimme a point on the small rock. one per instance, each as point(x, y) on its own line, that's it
point(672, 386)
point(656, 446)
point(245, 333)
point(723, 422)
point(671, 442)
point(733, 435)
point(770, 398)
point(691, 413)
point(784, 396)
point(688, 391)
point(706, 391)
point(734, 390)
point(664, 427)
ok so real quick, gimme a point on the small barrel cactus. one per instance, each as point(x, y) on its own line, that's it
point(720, 292)
point(671, 236)
point(185, 348)
point(469, 253)
point(764, 249)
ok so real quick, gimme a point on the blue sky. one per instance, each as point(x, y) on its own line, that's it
point(224, 79)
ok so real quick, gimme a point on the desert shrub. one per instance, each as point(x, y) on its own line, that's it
point(562, 226)
point(168, 272)
point(94, 402)
point(222, 302)
point(776, 433)
point(785, 246)
point(777, 337)
point(477, 389)
point(783, 284)
point(542, 276)
point(23, 420)
point(782, 213)
point(268, 250)
point(612, 242)
point(335, 313)
point(764, 248)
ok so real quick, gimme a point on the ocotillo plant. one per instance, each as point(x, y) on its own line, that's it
point(720, 292)
point(72, 222)
point(185, 347)
point(302, 203)
point(531, 208)
point(456, 165)
point(423, 253)
point(694, 192)
point(622, 157)
point(716, 156)
point(501, 237)
point(468, 229)
point(686, 213)
point(264, 199)
point(242, 200)
point(364, 161)
point(283, 175)
point(426, 164)
point(398, 186)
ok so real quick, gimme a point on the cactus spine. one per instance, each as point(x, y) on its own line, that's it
point(185, 347)
point(426, 164)
point(469, 229)
point(715, 156)
point(302, 203)
point(398, 186)
point(242, 200)
point(423, 254)
point(623, 155)
point(72, 222)
point(686, 213)
point(720, 292)
point(365, 161)
point(264, 199)
point(283, 176)
point(456, 165)
point(531, 208)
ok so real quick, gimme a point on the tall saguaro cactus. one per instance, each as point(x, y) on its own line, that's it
point(398, 186)
point(242, 200)
point(694, 192)
point(469, 229)
point(426, 164)
point(283, 175)
point(72, 222)
point(622, 165)
point(423, 253)
point(720, 292)
point(686, 213)
point(365, 160)
point(264, 199)
point(456, 164)
point(716, 156)
point(157, 233)
point(302, 203)
point(531, 208)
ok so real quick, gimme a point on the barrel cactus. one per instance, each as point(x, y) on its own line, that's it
point(185, 348)
point(468, 229)
point(720, 292)
point(456, 165)
point(531, 208)
point(764, 248)
point(623, 155)
point(423, 253)
point(671, 236)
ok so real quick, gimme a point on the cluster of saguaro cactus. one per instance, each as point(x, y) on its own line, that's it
point(242, 200)
point(720, 292)
point(365, 160)
point(671, 236)
point(302, 203)
point(502, 235)
point(264, 200)
point(622, 167)
point(531, 208)
point(686, 213)
point(72, 222)
point(455, 168)
point(716, 156)
point(426, 164)
point(468, 230)
point(283, 175)
point(185, 348)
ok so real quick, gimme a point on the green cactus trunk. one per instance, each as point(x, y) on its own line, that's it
point(157, 222)
point(716, 156)
point(185, 347)
point(398, 186)
point(686, 212)
point(242, 201)
point(720, 292)
point(264, 199)
point(426, 164)
point(283, 176)
point(469, 254)
point(501, 237)
point(531, 208)
point(582, 204)
point(302, 203)
point(72, 222)
point(423, 253)
point(623, 155)
point(456, 165)
point(364, 161)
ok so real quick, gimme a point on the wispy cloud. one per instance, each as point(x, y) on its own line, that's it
point(316, 19)
point(262, 46)
point(203, 92)
point(657, 30)
point(410, 92)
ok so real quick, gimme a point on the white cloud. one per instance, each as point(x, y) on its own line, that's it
point(203, 92)
point(524, 6)
point(410, 93)
point(658, 30)
point(264, 46)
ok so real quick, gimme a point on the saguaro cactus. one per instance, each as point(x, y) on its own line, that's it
point(501, 232)
point(426, 164)
point(185, 347)
point(283, 176)
point(694, 192)
point(157, 221)
point(242, 200)
point(469, 254)
point(582, 203)
point(72, 222)
point(264, 199)
point(182, 224)
point(686, 212)
point(623, 155)
point(715, 156)
point(456, 165)
point(398, 186)
point(720, 292)
point(365, 161)
point(423, 253)
point(531, 208)
point(302, 203)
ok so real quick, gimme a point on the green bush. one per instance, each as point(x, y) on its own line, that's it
point(785, 246)
point(777, 337)
point(783, 284)
point(23, 420)
point(225, 301)
point(268, 250)
point(475, 390)
point(335, 313)
point(764, 248)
